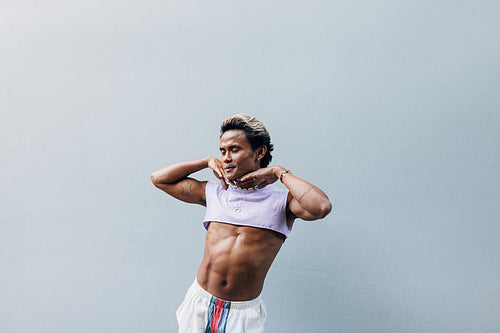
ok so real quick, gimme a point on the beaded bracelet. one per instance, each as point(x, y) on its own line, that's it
point(282, 174)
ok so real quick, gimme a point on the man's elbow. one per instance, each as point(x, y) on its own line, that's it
point(154, 179)
point(324, 209)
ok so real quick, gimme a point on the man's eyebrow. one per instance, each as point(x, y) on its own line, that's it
point(230, 147)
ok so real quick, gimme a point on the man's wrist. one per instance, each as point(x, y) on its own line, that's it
point(283, 173)
point(278, 170)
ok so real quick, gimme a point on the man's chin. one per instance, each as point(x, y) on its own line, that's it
point(232, 177)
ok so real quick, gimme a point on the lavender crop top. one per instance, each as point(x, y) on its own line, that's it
point(262, 208)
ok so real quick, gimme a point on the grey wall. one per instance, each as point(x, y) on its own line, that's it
point(392, 107)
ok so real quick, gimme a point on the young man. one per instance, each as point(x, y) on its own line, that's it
point(247, 220)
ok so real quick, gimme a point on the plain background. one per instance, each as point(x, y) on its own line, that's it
point(391, 107)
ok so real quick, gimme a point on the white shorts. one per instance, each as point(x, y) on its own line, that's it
point(200, 312)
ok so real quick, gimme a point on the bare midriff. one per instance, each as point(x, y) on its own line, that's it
point(236, 260)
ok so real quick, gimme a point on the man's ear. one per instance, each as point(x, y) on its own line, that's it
point(261, 152)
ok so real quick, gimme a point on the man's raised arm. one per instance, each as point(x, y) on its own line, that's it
point(174, 179)
point(307, 201)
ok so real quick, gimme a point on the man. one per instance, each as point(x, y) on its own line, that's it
point(247, 220)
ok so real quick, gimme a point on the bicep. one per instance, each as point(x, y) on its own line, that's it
point(298, 211)
point(188, 190)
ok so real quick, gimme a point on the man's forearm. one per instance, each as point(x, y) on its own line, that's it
point(178, 171)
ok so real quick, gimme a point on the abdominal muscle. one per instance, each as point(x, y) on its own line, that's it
point(236, 260)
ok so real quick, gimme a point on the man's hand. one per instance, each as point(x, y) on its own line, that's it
point(262, 176)
point(216, 166)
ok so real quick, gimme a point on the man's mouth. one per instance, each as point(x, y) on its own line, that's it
point(228, 168)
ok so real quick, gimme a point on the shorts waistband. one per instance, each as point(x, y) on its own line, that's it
point(236, 305)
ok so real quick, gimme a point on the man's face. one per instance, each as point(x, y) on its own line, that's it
point(237, 157)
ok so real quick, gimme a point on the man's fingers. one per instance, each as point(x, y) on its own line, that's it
point(218, 172)
point(222, 179)
point(246, 179)
point(248, 176)
point(219, 175)
point(263, 184)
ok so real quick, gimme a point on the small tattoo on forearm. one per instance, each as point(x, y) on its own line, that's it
point(186, 188)
point(306, 193)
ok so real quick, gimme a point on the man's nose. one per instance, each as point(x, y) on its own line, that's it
point(226, 157)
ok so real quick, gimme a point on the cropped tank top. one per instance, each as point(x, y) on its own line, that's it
point(262, 208)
